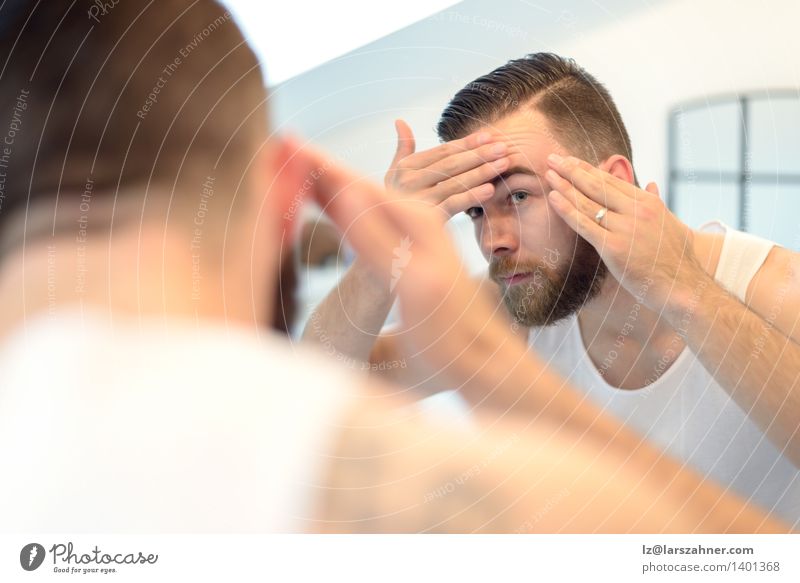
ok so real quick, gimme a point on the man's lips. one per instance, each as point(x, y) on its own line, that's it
point(515, 278)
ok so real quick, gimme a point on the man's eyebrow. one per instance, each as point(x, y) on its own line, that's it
point(513, 170)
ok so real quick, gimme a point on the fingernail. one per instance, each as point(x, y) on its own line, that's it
point(483, 138)
point(551, 175)
point(555, 158)
point(499, 148)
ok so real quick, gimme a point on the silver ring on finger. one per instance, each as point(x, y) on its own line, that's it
point(600, 215)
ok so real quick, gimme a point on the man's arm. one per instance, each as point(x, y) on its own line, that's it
point(752, 353)
point(645, 245)
point(774, 292)
point(347, 322)
point(347, 325)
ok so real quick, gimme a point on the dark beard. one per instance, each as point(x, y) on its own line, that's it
point(556, 291)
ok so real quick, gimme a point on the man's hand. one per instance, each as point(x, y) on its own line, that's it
point(402, 248)
point(398, 235)
point(646, 247)
point(454, 176)
point(394, 230)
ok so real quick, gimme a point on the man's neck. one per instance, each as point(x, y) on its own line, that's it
point(138, 270)
point(616, 322)
point(606, 314)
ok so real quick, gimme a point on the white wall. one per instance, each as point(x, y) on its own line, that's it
point(683, 50)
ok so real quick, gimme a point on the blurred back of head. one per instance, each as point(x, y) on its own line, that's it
point(125, 96)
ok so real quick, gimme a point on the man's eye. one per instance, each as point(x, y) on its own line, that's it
point(474, 212)
point(518, 196)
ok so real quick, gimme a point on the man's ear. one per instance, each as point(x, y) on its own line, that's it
point(283, 173)
point(620, 167)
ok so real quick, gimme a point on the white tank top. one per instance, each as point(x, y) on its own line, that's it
point(131, 428)
point(685, 411)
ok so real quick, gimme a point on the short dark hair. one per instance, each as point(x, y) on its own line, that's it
point(123, 94)
point(579, 109)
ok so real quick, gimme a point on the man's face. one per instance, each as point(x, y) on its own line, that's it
point(545, 270)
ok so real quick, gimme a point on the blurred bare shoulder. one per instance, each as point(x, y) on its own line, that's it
point(394, 471)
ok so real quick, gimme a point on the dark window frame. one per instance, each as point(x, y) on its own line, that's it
point(744, 176)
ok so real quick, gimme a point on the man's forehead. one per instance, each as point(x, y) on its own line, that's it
point(524, 127)
point(529, 139)
point(525, 169)
point(521, 169)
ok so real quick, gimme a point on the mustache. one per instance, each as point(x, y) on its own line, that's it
point(507, 266)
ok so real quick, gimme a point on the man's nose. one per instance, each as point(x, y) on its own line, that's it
point(499, 238)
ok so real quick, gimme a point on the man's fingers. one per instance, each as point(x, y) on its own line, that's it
point(652, 188)
point(584, 203)
point(486, 158)
point(458, 203)
point(460, 163)
point(371, 219)
point(485, 173)
point(578, 221)
point(598, 185)
point(341, 193)
point(361, 212)
point(406, 144)
point(426, 158)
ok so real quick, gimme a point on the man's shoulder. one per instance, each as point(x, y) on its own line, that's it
point(782, 262)
point(778, 278)
point(181, 356)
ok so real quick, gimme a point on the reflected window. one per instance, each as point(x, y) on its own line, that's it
point(737, 158)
